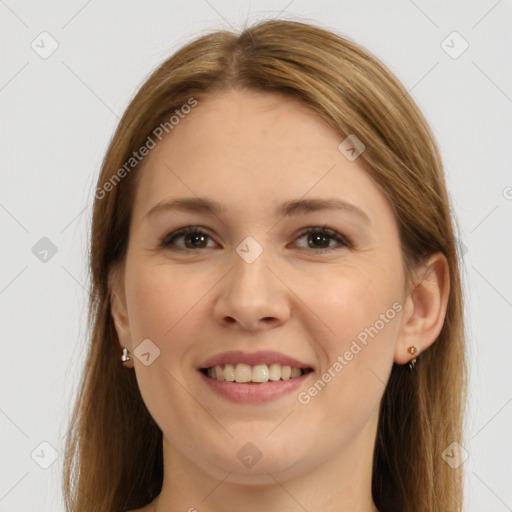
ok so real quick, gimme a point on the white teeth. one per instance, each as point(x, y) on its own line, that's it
point(260, 373)
point(219, 373)
point(244, 373)
point(229, 373)
point(274, 371)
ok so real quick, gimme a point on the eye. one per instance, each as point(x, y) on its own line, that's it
point(321, 237)
point(193, 236)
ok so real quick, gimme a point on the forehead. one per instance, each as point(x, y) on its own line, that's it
point(264, 125)
point(241, 146)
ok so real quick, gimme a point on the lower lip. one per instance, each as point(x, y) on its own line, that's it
point(254, 393)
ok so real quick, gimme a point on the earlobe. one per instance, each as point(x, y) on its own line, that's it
point(119, 310)
point(425, 309)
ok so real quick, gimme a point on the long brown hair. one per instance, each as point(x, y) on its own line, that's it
point(113, 457)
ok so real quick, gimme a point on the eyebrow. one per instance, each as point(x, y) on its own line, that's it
point(287, 209)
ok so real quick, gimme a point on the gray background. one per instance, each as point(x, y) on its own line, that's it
point(58, 114)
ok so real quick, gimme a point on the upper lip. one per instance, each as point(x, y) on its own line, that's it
point(252, 358)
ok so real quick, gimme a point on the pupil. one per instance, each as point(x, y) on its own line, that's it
point(317, 237)
point(196, 238)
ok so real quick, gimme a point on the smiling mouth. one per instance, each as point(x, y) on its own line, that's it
point(246, 374)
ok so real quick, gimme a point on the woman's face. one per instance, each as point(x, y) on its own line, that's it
point(255, 280)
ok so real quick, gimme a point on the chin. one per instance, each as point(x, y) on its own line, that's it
point(251, 465)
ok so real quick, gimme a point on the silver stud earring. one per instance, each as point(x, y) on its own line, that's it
point(125, 357)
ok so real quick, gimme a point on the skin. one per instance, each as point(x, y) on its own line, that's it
point(251, 152)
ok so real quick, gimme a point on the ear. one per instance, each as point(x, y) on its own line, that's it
point(119, 310)
point(425, 308)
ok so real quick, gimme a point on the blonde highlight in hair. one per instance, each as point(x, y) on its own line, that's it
point(113, 457)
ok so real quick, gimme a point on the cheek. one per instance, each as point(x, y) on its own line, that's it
point(160, 298)
point(362, 309)
point(162, 304)
point(357, 357)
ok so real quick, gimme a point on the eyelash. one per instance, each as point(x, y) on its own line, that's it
point(196, 230)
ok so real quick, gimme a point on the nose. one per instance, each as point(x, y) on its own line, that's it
point(252, 296)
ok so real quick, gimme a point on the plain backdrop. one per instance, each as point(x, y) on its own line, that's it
point(59, 111)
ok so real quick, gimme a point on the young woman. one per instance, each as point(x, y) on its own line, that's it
point(276, 309)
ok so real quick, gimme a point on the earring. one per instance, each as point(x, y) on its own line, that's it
point(412, 350)
point(125, 357)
